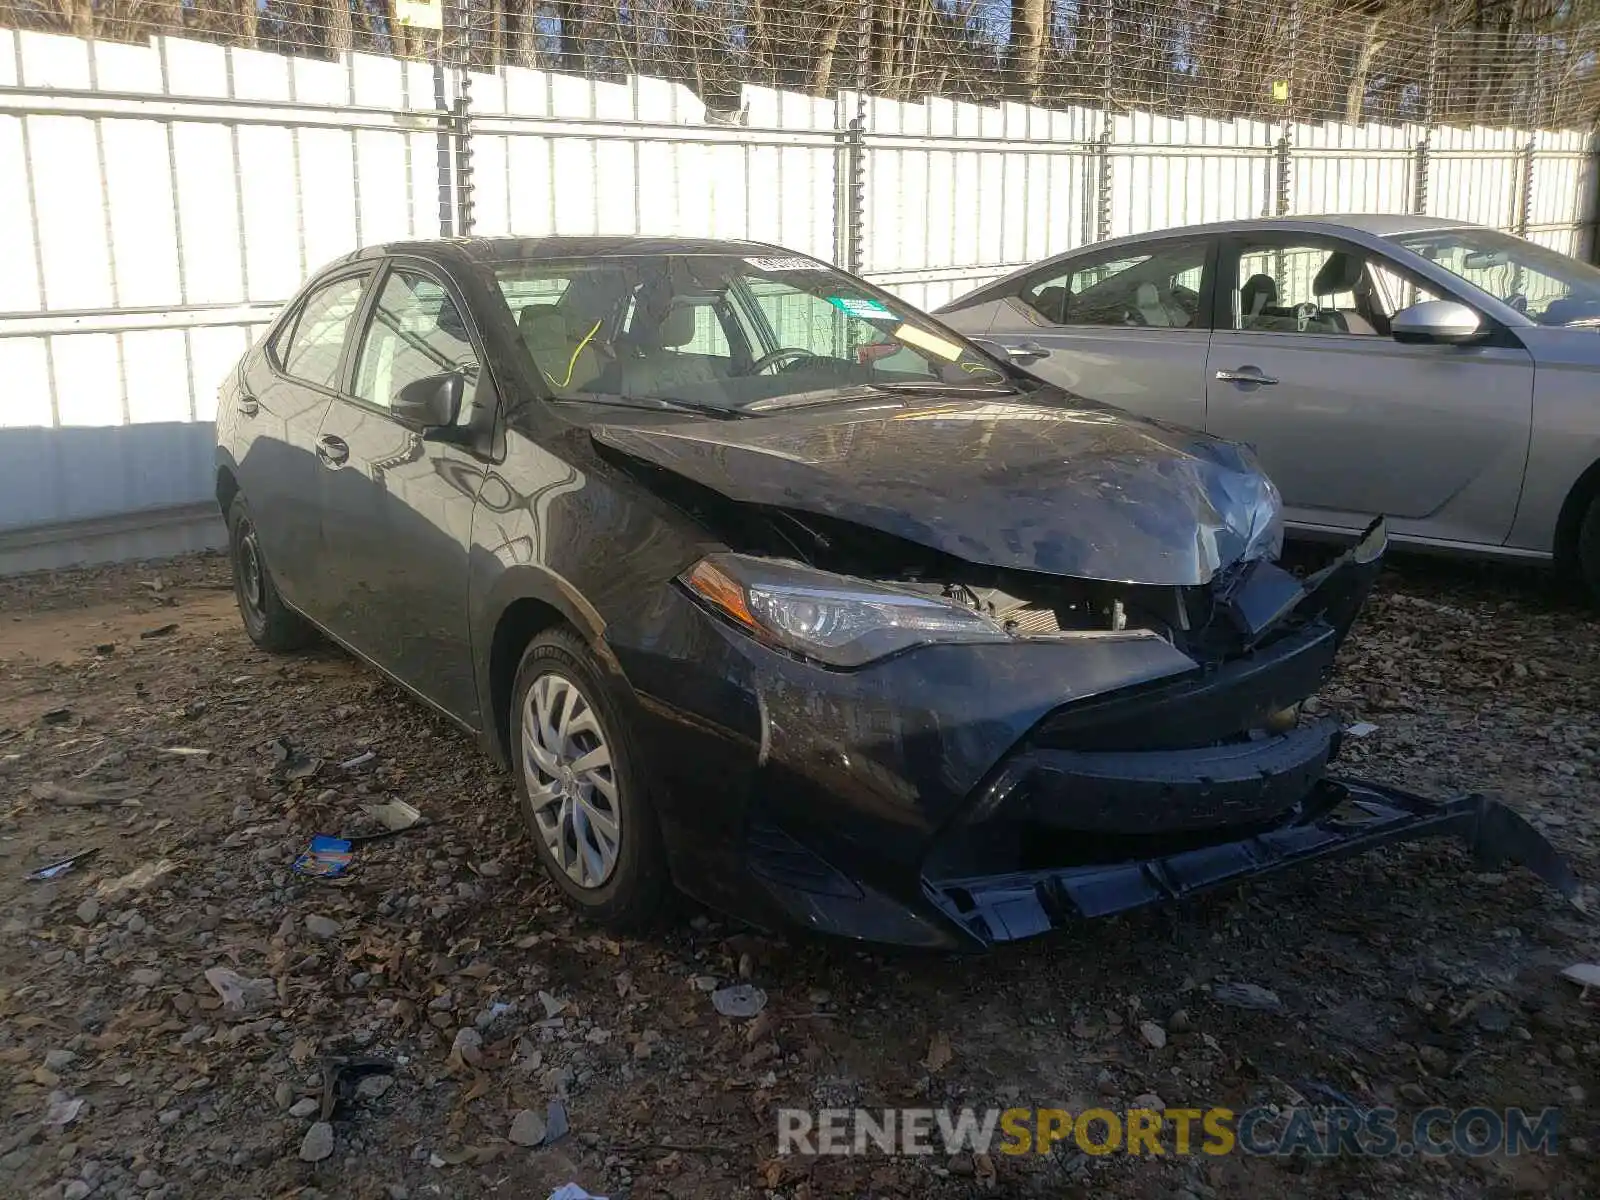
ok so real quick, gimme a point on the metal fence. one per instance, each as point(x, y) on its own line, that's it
point(159, 201)
point(1406, 60)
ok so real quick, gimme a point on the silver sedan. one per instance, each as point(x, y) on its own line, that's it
point(1444, 375)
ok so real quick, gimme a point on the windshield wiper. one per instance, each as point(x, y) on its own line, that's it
point(655, 404)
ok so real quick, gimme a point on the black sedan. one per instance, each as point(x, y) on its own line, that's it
point(769, 587)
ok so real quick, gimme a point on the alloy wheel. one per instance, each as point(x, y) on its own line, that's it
point(571, 783)
point(252, 577)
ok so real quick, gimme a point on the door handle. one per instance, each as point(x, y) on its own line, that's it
point(1245, 375)
point(334, 452)
point(1027, 352)
point(248, 405)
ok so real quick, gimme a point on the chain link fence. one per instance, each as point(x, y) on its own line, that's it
point(1303, 60)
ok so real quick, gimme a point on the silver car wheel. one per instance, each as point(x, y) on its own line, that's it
point(571, 783)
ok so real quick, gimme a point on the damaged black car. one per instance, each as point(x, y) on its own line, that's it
point(770, 588)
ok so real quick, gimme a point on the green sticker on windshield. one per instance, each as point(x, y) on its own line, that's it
point(855, 306)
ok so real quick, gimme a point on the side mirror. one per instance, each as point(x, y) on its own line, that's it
point(1440, 321)
point(432, 402)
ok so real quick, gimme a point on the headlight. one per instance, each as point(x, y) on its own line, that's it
point(832, 618)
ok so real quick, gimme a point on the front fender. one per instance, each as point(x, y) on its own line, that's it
point(495, 588)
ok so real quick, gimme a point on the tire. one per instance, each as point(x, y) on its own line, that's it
point(618, 881)
point(270, 623)
point(1589, 550)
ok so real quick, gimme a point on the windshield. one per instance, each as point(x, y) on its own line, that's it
point(1547, 286)
point(743, 334)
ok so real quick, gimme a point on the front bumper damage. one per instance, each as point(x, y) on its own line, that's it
point(959, 796)
point(1338, 819)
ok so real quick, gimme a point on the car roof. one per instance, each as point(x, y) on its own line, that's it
point(1376, 224)
point(514, 249)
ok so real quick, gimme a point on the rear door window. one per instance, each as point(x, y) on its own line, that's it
point(314, 349)
point(1158, 288)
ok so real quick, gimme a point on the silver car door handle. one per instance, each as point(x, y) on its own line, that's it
point(1027, 352)
point(1245, 375)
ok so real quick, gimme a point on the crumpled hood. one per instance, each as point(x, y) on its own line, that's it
point(1054, 485)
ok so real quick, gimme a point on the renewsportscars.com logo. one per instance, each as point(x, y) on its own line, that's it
point(1319, 1133)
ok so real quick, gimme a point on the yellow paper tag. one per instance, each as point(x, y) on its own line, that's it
point(932, 343)
point(1280, 89)
point(420, 14)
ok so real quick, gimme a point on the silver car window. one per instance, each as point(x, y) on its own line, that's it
point(1158, 289)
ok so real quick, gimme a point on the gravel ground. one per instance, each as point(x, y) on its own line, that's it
point(1410, 977)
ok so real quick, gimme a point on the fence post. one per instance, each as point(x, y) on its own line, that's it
point(1594, 202)
point(850, 194)
point(1283, 152)
point(1419, 191)
point(442, 143)
point(1282, 156)
point(1525, 184)
point(850, 170)
point(1102, 150)
point(461, 126)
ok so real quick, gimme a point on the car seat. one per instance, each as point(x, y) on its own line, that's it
point(1340, 274)
point(564, 351)
point(1154, 309)
point(662, 367)
point(1258, 294)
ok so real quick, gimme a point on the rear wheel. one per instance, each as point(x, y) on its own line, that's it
point(271, 624)
point(585, 804)
point(1589, 549)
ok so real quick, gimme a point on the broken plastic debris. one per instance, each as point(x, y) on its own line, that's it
point(741, 1001)
point(56, 793)
point(324, 858)
point(62, 867)
point(359, 760)
point(184, 751)
point(396, 816)
point(135, 880)
point(1247, 995)
point(1585, 975)
point(1361, 729)
point(238, 993)
point(304, 768)
point(63, 1112)
point(571, 1191)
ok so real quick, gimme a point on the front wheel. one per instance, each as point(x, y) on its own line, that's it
point(577, 774)
point(271, 624)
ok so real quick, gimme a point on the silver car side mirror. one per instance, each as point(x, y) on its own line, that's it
point(1442, 321)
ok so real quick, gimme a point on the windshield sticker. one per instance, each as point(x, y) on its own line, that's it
point(931, 342)
point(858, 306)
point(795, 263)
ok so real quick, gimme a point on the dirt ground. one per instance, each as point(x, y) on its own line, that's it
point(1410, 977)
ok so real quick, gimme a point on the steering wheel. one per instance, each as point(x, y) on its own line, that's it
point(777, 356)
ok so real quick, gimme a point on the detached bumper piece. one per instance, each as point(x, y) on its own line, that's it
point(1338, 819)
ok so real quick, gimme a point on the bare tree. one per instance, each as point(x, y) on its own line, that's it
point(1030, 37)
